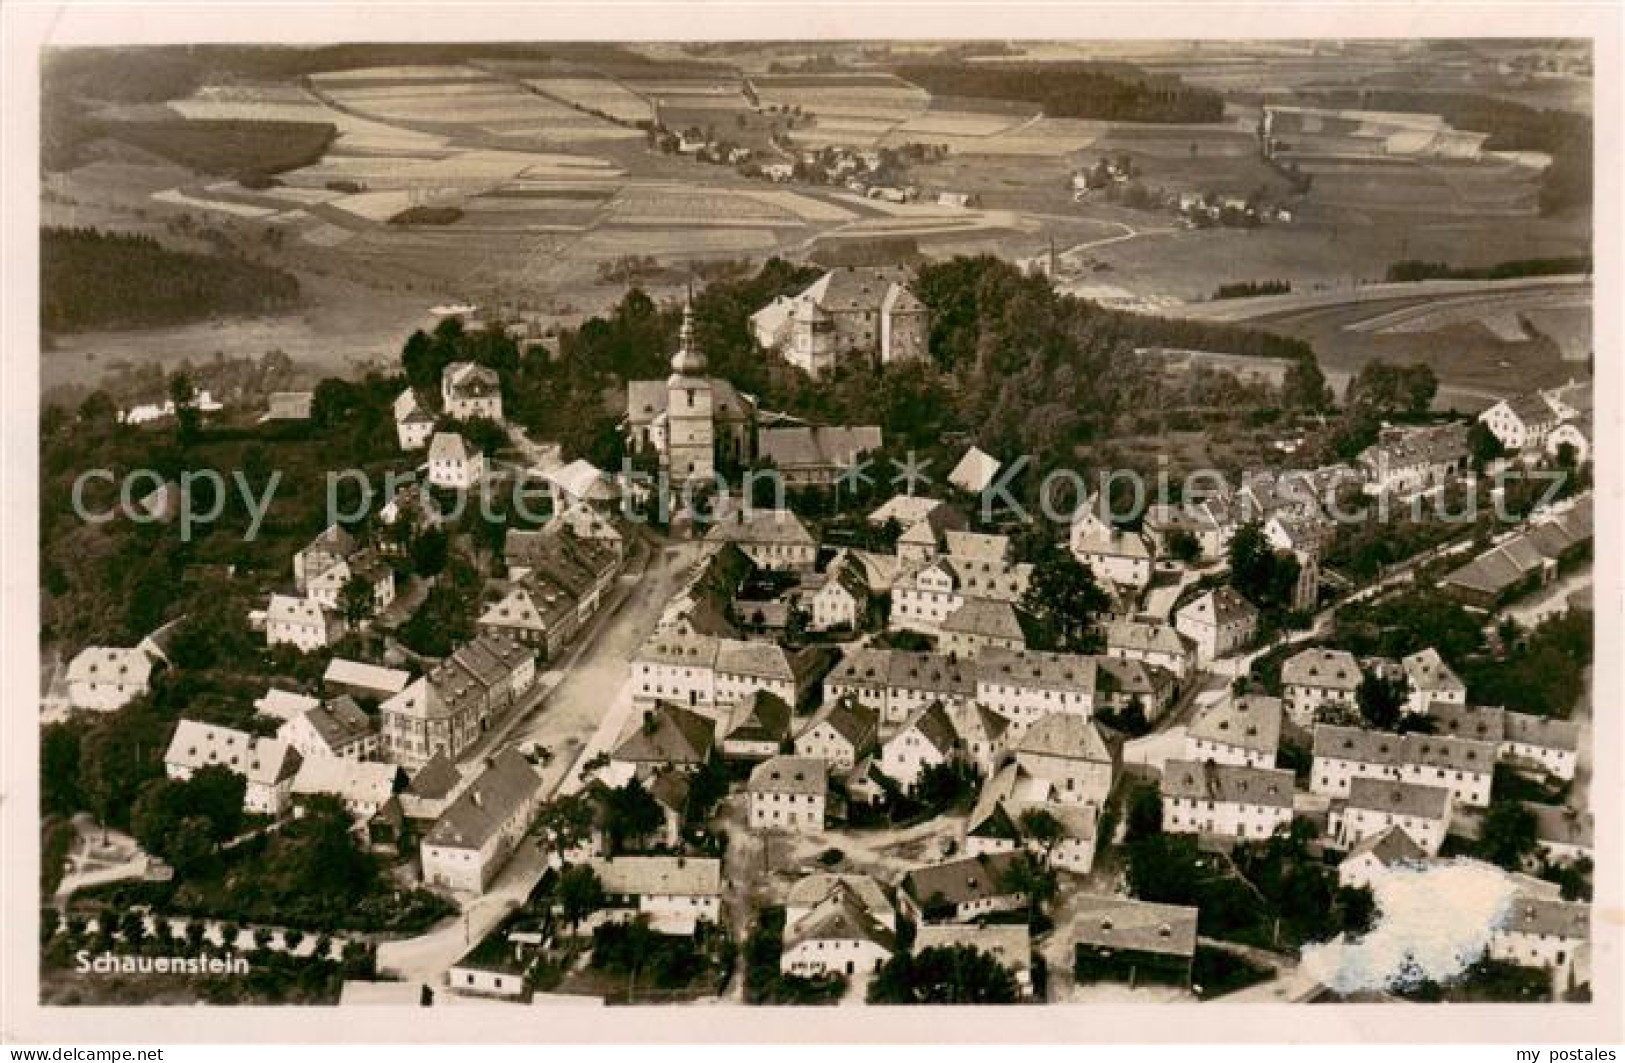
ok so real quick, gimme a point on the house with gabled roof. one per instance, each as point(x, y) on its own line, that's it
point(332, 545)
point(1465, 767)
point(924, 599)
point(1239, 729)
point(1219, 623)
point(1210, 522)
point(454, 463)
point(842, 601)
point(805, 455)
point(267, 765)
point(1072, 754)
point(431, 789)
point(1369, 859)
point(960, 891)
point(336, 729)
point(1025, 685)
point(926, 739)
point(675, 893)
point(845, 931)
point(362, 680)
point(996, 822)
point(327, 587)
point(413, 423)
point(841, 733)
point(1121, 558)
point(1120, 683)
point(364, 787)
point(924, 521)
point(981, 622)
point(1431, 680)
point(1229, 800)
point(469, 390)
point(1374, 805)
point(787, 793)
point(580, 484)
point(1152, 642)
point(1522, 422)
point(667, 736)
point(1127, 940)
point(1316, 677)
point(455, 702)
point(1541, 742)
point(757, 726)
point(975, 472)
point(468, 845)
point(105, 678)
point(866, 313)
point(982, 734)
point(1545, 933)
point(300, 622)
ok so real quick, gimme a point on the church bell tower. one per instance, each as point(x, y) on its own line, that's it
point(690, 411)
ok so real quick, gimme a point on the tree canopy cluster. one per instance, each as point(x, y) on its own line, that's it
point(90, 279)
point(1112, 92)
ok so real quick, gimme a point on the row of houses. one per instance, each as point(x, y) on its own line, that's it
point(1318, 677)
point(1524, 561)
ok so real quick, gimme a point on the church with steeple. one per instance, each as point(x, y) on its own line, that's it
point(695, 423)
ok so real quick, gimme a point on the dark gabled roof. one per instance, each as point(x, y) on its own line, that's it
point(669, 735)
point(958, 882)
point(1399, 798)
point(852, 720)
point(485, 807)
point(340, 721)
point(1122, 923)
point(840, 916)
point(761, 716)
point(1228, 783)
point(435, 779)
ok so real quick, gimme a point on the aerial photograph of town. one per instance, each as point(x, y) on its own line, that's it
point(834, 523)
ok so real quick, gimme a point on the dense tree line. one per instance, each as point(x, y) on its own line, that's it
point(1116, 92)
point(249, 150)
point(1412, 269)
point(1248, 289)
point(91, 279)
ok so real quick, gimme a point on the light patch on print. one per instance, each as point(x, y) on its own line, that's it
point(1433, 922)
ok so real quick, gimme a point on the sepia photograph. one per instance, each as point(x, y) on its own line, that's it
point(589, 521)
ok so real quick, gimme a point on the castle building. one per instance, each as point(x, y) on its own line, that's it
point(851, 312)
